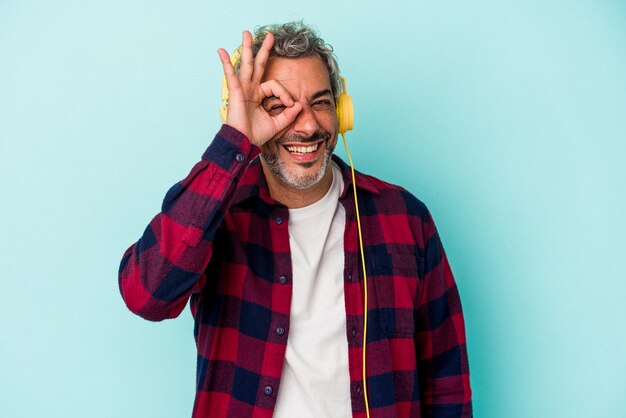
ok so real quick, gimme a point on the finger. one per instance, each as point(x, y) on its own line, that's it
point(274, 88)
point(286, 118)
point(262, 57)
point(246, 67)
point(232, 81)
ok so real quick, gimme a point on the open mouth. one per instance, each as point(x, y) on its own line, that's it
point(304, 152)
point(302, 149)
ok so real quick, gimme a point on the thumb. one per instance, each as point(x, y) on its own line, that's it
point(287, 116)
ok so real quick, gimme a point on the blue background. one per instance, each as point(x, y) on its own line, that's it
point(508, 118)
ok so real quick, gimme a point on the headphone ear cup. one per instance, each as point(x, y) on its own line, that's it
point(345, 112)
point(234, 60)
point(224, 105)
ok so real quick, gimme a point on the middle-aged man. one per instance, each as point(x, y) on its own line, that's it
point(262, 236)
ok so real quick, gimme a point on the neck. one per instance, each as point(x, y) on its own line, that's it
point(297, 198)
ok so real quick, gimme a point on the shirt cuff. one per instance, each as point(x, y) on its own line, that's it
point(230, 148)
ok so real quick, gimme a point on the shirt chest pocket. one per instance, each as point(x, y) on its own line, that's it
point(395, 281)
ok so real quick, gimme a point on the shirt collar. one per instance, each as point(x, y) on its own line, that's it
point(254, 184)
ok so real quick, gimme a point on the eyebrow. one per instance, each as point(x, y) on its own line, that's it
point(321, 93)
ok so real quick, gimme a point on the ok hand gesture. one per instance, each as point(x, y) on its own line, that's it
point(247, 93)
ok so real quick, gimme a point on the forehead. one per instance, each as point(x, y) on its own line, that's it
point(298, 75)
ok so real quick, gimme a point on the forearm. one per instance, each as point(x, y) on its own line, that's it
point(440, 338)
point(160, 271)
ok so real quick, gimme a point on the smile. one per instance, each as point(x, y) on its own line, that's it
point(301, 150)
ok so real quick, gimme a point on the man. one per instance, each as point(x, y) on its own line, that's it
point(262, 236)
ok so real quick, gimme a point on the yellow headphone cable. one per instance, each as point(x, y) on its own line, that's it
point(365, 307)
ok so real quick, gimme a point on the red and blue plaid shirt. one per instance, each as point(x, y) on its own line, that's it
point(222, 241)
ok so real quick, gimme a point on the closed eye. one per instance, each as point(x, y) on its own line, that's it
point(273, 106)
point(276, 109)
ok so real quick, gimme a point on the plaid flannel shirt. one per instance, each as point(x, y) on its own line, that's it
point(222, 241)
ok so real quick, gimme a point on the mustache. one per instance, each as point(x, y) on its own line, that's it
point(316, 136)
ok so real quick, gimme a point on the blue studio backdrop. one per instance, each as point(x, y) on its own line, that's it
point(507, 118)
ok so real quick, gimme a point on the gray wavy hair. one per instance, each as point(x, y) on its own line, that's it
point(294, 40)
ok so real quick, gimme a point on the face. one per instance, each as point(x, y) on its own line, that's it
point(299, 155)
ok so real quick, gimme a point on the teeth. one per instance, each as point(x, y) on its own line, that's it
point(302, 150)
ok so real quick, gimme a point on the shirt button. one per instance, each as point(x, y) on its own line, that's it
point(280, 330)
point(349, 277)
point(240, 157)
point(358, 389)
point(354, 332)
point(282, 279)
point(268, 390)
point(279, 220)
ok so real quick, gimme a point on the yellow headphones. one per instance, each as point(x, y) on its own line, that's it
point(344, 108)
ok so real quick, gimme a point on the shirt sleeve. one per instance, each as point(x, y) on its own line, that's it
point(440, 336)
point(159, 272)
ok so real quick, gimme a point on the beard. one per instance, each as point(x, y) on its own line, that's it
point(279, 168)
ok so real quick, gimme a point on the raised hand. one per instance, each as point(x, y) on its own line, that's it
point(246, 94)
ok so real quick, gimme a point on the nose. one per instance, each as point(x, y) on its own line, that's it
point(306, 122)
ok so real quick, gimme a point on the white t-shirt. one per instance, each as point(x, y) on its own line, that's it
point(315, 380)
